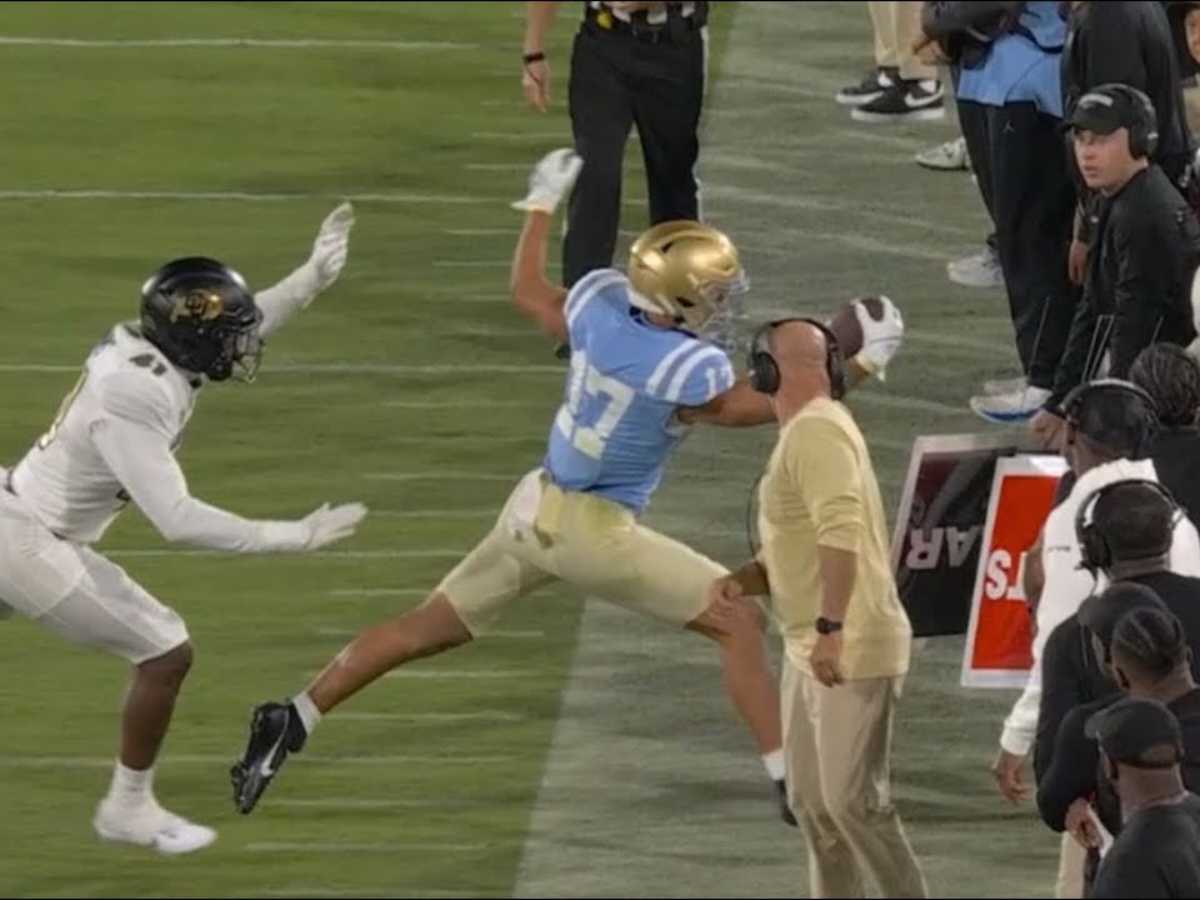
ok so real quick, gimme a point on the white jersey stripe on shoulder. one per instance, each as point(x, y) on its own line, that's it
point(688, 367)
point(669, 360)
point(586, 289)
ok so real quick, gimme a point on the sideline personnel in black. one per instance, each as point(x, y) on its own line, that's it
point(1157, 853)
point(1137, 288)
point(1132, 527)
point(632, 63)
point(1171, 376)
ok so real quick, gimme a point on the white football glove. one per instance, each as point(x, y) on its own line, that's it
point(332, 246)
point(327, 526)
point(550, 181)
point(881, 339)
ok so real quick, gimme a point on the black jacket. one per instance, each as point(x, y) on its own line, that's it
point(1138, 287)
point(965, 28)
point(1130, 42)
point(1175, 452)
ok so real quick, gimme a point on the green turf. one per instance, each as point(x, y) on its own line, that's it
point(822, 211)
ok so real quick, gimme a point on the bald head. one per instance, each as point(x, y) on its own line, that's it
point(797, 345)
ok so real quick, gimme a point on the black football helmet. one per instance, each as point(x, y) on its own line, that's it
point(201, 315)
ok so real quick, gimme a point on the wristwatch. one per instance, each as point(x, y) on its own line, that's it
point(827, 626)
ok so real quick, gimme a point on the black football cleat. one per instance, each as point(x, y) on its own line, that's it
point(785, 811)
point(275, 731)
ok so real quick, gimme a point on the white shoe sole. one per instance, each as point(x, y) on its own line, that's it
point(195, 837)
point(913, 115)
point(974, 283)
point(856, 100)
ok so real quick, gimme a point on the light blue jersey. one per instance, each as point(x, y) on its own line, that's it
point(617, 424)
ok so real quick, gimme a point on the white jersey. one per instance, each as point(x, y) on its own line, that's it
point(64, 479)
point(114, 441)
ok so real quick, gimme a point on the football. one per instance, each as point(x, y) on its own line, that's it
point(844, 324)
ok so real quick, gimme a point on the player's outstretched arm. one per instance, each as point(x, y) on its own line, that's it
point(283, 300)
point(739, 407)
point(533, 293)
point(133, 442)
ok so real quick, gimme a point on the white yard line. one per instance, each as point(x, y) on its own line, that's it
point(260, 43)
point(361, 593)
point(485, 513)
point(460, 404)
point(514, 635)
point(491, 715)
point(303, 847)
point(441, 476)
point(407, 672)
point(106, 762)
point(247, 196)
point(318, 554)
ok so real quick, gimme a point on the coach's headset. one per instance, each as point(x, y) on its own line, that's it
point(1070, 406)
point(764, 370)
point(1094, 550)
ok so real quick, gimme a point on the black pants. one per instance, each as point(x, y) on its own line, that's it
point(1020, 162)
point(618, 80)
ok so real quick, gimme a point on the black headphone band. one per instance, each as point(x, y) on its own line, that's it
point(1093, 543)
point(764, 370)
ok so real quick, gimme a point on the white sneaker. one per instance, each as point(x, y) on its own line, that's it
point(948, 157)
point(995, 386)
point(980, 270)
point(1005, 409)
point(149, 825)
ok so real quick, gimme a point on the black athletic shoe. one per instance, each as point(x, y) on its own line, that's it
point(275, 731)
point(785, 811)
point(873, 86)
point(908, 101)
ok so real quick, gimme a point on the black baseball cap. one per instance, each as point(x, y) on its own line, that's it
point(1104, 111)
point(1131, 727)
point(1101, 612)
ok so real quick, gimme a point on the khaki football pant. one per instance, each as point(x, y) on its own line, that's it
point(546, 534)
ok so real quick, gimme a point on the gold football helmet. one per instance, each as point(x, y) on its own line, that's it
point(685, 270)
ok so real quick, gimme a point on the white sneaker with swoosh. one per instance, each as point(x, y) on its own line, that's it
point(149, 825)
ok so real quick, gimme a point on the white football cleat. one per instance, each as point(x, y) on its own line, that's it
point(149, 825)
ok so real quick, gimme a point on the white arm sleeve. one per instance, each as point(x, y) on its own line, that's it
point(283, 300)
point(135, 445)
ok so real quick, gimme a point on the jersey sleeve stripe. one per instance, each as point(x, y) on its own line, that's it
point(586, 288)
point(664, 367)
point(688, 367)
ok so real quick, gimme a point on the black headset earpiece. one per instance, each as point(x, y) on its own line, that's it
point(764, 370)
point(1070, 405)
point(1143, 133)
point(1094, 550)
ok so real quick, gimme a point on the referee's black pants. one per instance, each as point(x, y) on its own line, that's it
point(618, 80)
point(1020, 162)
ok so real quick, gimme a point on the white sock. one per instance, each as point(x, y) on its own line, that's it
point(309, 714)
point(773, 762)
point(132, 786)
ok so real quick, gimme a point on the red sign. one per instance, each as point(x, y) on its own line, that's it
point(1000, 634)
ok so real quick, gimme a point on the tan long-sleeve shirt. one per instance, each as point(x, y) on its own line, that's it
point(819, 490)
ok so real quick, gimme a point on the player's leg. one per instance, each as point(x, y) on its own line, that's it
point(109, 611)
point(605, 553)
point(465, 605)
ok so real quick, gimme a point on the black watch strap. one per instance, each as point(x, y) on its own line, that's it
point(827, 626)
point(536, 56)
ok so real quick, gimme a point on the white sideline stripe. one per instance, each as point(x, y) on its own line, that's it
point(318, 554)
point(439, 476)
point(472, 263)
point(305, 890)
point(480, 232)
point(379, 592)
point(497, 167)
point(413, 847)
point(366, 804)
point(565, 134)
point(345, 369)
point(486, 716)
point(274, 43)
point(437, 513)
point(515, 635)
point(458, 404)
point(455, 674)
point(106, 762)
point(254, 196)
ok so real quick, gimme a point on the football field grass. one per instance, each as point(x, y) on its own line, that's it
point(577, 751)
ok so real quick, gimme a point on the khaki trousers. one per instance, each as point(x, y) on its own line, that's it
point(1071, 860)
point(837, 743)
point(897, 24)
